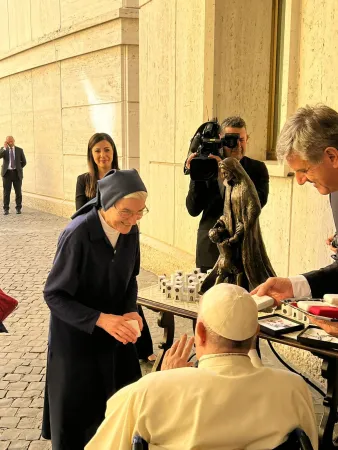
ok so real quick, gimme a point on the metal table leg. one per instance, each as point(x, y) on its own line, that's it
point(166, 321)
point(330, 402)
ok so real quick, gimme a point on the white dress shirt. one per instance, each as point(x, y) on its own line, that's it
point(10, 162)
point(300, 286)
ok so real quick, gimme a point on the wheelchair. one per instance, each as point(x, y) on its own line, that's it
point(297, 440)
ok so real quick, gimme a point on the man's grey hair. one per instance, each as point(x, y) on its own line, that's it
point(308, 133)
point(233, 122)
point(224, 344)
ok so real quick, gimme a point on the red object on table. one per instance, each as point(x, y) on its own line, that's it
point(326, 311)
point(7, 305)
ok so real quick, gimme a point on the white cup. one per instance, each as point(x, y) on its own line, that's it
point(135, 325)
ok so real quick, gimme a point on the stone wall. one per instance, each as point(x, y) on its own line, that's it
point(68, 69)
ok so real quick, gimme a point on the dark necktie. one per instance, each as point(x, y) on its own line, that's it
point(11, 157)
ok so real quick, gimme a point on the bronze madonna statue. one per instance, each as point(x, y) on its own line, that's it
point(242, 256)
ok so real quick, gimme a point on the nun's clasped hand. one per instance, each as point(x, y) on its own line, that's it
point(118, 327)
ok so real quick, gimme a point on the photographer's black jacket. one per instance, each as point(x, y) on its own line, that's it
point(205, 196)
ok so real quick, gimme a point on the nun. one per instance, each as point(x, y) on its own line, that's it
point(91, 291)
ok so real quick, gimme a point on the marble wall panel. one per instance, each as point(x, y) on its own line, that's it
point(91, 79)
point(130, 3)
point(49, 175)
point(4, 41)
point(23, 130)
point(130, 163)
point(48, 132)
point(318, 53)
point(129, 31)
point(46, 87)
point(28, 183)
point(89, 40)
point(311, 224)
point(238, 53)
point(159, 223)
point(189, 94)
point(157, 81)
point(25, 60)
point(5, 126)
point(275, 223)
point(130, 66)
point(77, 11)
point(5, 96)
point(185, 226)
point(74, 165)
point(45, 17)
point(132, 130)
point(19, 19)
point(21, 92)
point(80, 123)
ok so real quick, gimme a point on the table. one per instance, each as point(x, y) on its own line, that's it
point(151, 298)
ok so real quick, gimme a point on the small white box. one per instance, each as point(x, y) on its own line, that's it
point(300, 315)
point(187, 276)
point(135, 325)
point(191, 280)
point(209, 271)
point(192, 292)
point(179, 279)
point(169, 291)
point(178, 293)
point(179, 273)
point(196, 271)
point(201, 276)
point(163, 285)
point(159, 280)
point(332, 299)
point(286, 310)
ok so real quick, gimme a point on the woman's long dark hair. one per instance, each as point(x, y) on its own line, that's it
point(93, 172)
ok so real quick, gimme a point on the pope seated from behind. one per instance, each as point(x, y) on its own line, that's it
point(226, 403)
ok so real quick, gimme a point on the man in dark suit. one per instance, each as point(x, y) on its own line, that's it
point(309, 143)
point(13, 162)
point(207, 197)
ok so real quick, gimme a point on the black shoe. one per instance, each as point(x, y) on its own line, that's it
point(6, 212)
point(18, 211)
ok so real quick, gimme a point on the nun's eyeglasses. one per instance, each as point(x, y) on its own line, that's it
point(127, 214)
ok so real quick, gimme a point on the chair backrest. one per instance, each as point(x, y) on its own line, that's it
point(297, 440)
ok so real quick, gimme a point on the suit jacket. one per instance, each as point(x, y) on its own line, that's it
point(205, 197)
point(323, 281)
point(20, 161)
point(80, 196)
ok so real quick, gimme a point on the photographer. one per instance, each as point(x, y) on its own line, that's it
point(207, 197)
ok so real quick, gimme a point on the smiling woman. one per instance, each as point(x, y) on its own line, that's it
point(91, 291)
point(101, 157)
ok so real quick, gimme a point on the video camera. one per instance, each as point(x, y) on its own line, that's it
point(206, 141)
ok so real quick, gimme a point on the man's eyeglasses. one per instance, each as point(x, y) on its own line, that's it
point(127, 214)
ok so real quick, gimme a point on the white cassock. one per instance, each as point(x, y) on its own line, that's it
point(225, 404)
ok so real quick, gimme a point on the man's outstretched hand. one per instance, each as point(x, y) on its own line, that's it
point(278, 288)
point(178, 355)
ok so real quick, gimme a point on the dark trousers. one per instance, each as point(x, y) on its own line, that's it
point(11, 178)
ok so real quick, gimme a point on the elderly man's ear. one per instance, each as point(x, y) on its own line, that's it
point(200, 334)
